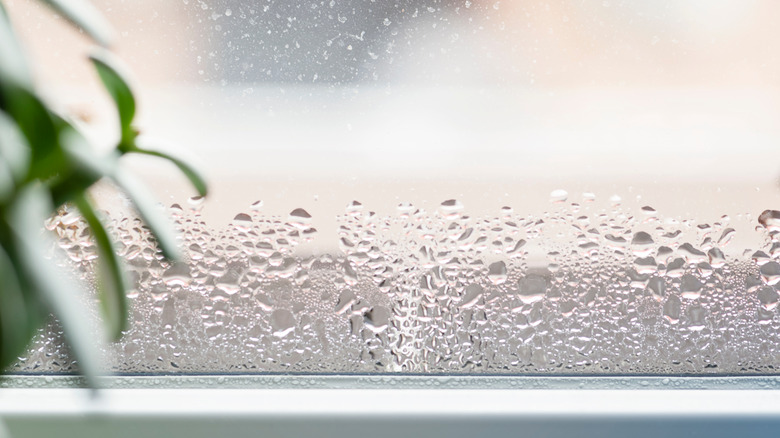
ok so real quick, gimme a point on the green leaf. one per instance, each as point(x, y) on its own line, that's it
point(84, 15)
point(16, 324)
point(37, 124)
point(14, 157)
point(14, 150)
point(150, 213)
point(7, 184)
point(30, 209)
point(195, 178)
point(116, 80)
point(112, 284)
point(81, 167)
point(13, 64)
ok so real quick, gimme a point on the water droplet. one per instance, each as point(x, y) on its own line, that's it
point(690, 287)
point(471, 295)
point(768, 297)
point(559, 195)
point(615, 242)
point(657, 287)
point(691, 254)
point(717, 258)
point(196, 202)
point(497, 272)
point(350, 276)
point(354, 207)
point(377, 319)
point(228, 283)
point(645, 265)
point(257, 205)
point(641, 244)
point(405, 208)
point(515, 251)
point(704, 269)
point(664, 252)
point(282, 322)
point(774, 250)
point(752, 283)
point(764, 317)
point(696, 317)
point(770, 219)
point(263, 300)
point(451, 208)
point(346, 299)
point(672, 309)
point(770, 273)
point(242, 222)
point(760, 257)
point(567, 308)
point(531, 289)
point(300, 218)
point(726, 236)
point(159, 292)
point(177, 275)
point(285, 269)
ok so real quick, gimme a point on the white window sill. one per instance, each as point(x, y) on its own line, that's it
point(65, 412)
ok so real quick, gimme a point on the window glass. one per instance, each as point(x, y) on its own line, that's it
point(460, 187)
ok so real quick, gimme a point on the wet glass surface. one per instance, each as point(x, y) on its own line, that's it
point(442, 187)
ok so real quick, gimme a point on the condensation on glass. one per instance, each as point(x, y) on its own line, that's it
point(451, 187)
point(585, 287)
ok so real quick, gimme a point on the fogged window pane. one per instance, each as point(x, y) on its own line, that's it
point(443, 187)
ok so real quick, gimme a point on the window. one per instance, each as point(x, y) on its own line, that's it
point(444, 187)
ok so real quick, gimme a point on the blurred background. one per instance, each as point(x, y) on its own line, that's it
point(316, 103)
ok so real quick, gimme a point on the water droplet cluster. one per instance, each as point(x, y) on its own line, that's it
point(575, 290)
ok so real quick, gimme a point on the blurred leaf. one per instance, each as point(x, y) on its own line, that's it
point(14, 156)
point(13, 64)
point(14, 150)
point(7, 184)
point(82, 158)
point(15, 321)
point(25, 216)
point(81, 168)
point(112, 283)
point(84, 15)
point(195, 178)
point(37, 124)
point(113, 74)
point(157, 222)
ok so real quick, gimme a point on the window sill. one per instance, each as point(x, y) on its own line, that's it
point(384, 411)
